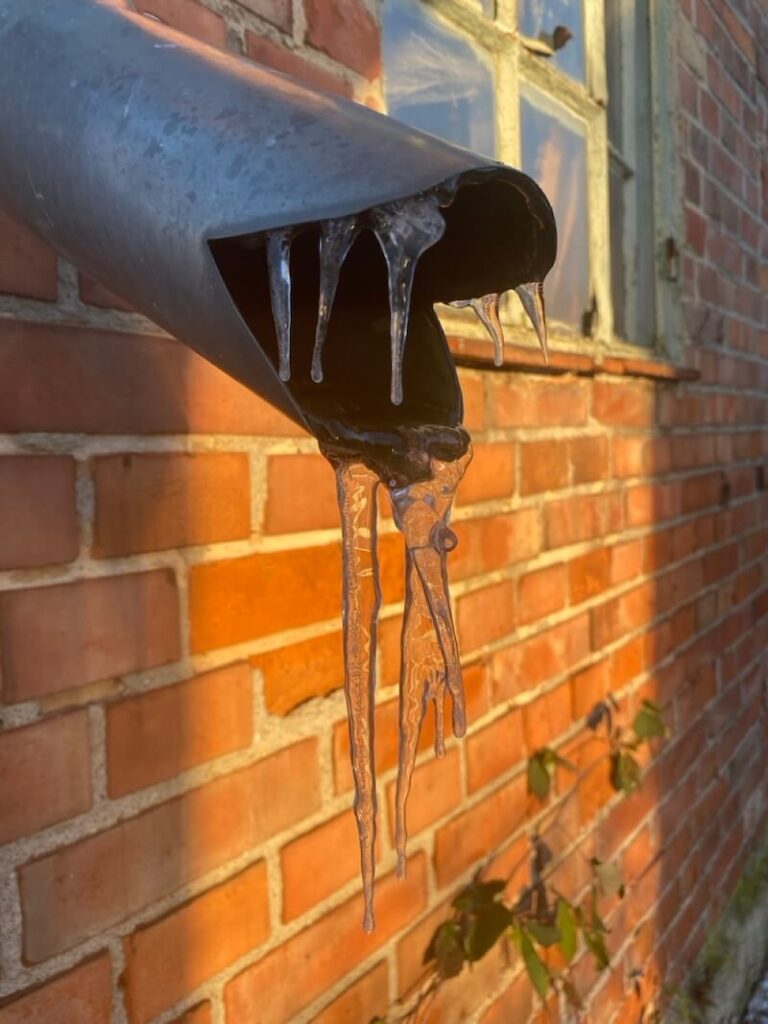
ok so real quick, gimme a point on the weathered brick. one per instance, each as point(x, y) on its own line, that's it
point(82, 995)
point(467, 839)
point(151, 502)
point(582, 517)
point(168, 959)
point(348, 32)
point(83, 889)
point(56, 638)
point(200, 1014)
point(366, 999)
point(494, 750)
point(155, 736)
point(28, 267)
point(543, 466)
point(491, 543)
point(518, 401)
point(93, 293)
point(486, 615)
point(514, 1004)
point(38, 514)
point(588, 687)
point(323, 953)
point(276, 12)
point(547, 717)
point(589, 459)
point(491, 473)
point(435, 790)
point(59, 378)
point(540, 593)
point(264, 51)
point(189, 17)
point(298, 672)
point(589, 574)
point(301, 494)
point(332, 850)
point(44, 775)
point(622, 403)
point(528, 663)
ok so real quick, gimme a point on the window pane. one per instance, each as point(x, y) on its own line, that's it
point(540, 18)
point(555, 154)
point(435, 79)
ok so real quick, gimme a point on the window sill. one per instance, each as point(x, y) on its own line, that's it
point(474, 354)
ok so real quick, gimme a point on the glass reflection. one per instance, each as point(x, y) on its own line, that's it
point(435, 79)
point(539, 18)
point(555, 155)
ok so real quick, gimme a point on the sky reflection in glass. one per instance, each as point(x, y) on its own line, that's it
point(542, 16)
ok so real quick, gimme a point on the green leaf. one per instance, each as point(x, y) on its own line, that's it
point(596, 945)
point(447, 949)
point(648, 721)
point(566, 925)
point(608, 876)
point(625, 772)
point(539, 779)
point(486, 929)
point(478, 894)
point(545, 934)
point(534, 965)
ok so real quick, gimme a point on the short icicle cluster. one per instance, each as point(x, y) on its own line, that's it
point(430, 667)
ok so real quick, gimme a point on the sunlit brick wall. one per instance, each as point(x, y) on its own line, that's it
point(175, 792)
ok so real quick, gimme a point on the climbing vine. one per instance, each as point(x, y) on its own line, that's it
point(543, 926)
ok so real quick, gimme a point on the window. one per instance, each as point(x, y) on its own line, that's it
point(527, 81)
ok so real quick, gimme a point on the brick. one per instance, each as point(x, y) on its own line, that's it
point(93, 293)
point(56, 638)
point(62, 379)
point(473, 393)
point(152, 502)
point(156, 736)
point(652, 503)
point(200, 1014)
point(525, 665)
point(629, 456)
point(45, 775)
point(38, 513)
point(589, 459)
point(589, 687)
point(625, 404)
point(486, 615)
point(623, 615)
point(76, 892)
point(297, 672)
point(494, 750)
point(540, 593)
point(244, 598)
point(276, 12)
point(168, 959)
point(410, 949)
point(543, 466)
point(547, 717)
point(435, 791)
point(582, 517)
point(332, 849)
point(495, 542)
point(301, 494)
point(348, 32)
point(322, 953)
point(589, 575)
point(514, 1004)
point(82, 995)
point(28, 267)
point(491, 473)
point(518, 401)
point(189, 17)
point(366, 999)
point(467, 839)
point(264, 51)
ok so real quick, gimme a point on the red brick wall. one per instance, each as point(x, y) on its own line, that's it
point(174, 783)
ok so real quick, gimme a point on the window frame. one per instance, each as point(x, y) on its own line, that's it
point(513, 64)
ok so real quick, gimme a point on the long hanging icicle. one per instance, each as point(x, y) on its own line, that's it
point(405, 230)
point(422, 512)
point(336, 239)
point(356, 485)
point(279, 266)
point(487, 310)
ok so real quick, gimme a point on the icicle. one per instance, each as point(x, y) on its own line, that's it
point(279, 265)
point(405, 230)
point(356, 486)
point(487, 309)
point(336, 239)
point(532, 297)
